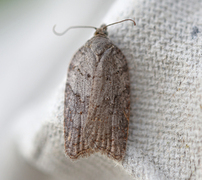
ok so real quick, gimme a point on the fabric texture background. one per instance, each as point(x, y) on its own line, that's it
point(164, 54)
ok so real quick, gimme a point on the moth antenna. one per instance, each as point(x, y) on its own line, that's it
point(72, 27)
point(121, 22)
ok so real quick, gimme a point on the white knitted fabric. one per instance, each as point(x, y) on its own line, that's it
point(164, 53)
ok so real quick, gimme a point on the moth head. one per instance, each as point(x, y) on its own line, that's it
point(101, 31)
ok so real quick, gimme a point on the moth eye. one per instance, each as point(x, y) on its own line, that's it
point(88, 75)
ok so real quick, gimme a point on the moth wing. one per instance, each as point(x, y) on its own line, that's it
point(108, 115)
point(77, 93)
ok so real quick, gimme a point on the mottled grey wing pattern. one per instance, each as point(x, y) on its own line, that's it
point(108, 115)
point(97, 101)
point(77, 94)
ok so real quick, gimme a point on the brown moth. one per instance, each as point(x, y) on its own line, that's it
point(97, 99)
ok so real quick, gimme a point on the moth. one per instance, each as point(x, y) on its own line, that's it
point(97, 99)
